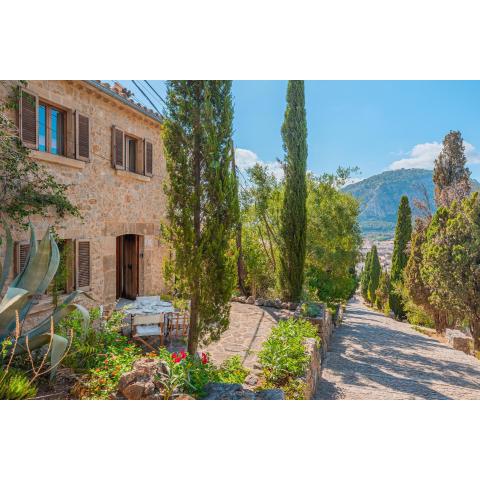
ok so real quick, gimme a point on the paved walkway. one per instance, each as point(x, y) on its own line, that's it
point(374, 357)
point(249, 328)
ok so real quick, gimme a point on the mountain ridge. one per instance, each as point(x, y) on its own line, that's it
point(379, 196)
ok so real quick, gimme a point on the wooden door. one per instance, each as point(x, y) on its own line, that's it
point(127, 266)
point(130, 265)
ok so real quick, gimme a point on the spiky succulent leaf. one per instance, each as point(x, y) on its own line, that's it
point(14, 301)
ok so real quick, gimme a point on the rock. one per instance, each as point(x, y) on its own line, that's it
point(292, 306)
point(260, 302)
point(284, 306)
point(184, 396)
point(134, 391)
point(269, 303)
point(234, 391)
point(459, 341)
point(141, 382)
point(277, 303)
point(250, 300)
point(251, 380)
point(270, 394)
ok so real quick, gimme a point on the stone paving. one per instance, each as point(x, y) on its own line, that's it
point(249, 328)
point(375, 357)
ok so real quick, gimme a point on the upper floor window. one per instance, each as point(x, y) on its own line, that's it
point(51, 129)
point(131, 153)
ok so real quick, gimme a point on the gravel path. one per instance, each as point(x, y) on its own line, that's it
point(374, 357)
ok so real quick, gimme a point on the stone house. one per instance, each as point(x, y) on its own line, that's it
point(108, 148)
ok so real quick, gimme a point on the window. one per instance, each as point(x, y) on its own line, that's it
point(51, 129)
point(131, 153)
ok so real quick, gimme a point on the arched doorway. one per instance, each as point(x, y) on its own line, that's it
point(128, 254)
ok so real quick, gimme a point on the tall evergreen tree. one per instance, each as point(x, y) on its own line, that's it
point(365, 277)
point(201, 205)
point(450, 175)
point(403, 232)
point(294, 211)
point(375, 271)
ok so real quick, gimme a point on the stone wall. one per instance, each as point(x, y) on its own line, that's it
point(112, 202)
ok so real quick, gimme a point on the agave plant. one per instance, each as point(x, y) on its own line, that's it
point(40, 268)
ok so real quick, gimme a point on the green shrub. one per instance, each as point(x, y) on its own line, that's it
point(190, 374)
point(117, 360)
point(15, 385)
point(284, 358)
point(309, 309)
point(232, 371)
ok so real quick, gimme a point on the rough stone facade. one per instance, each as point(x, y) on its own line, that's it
point(113, 202)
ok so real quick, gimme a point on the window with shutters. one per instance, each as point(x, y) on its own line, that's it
point(131, 153)
point(64, 280)
point(21, 256)
point(148, 165)
point(82, 137)
point(83, 264)
point(51, 129)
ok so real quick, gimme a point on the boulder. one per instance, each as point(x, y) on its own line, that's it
point(250, 300)
point(251, 380)
point(270, 394)
point(459, 341)
point(141, 382)
point(260, 302)
point(234, 391)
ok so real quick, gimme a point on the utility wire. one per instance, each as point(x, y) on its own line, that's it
point(155, 92)
point(146, 96)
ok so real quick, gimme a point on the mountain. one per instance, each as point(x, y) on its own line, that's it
point(380, 195)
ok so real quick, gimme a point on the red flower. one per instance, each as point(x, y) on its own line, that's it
point(204, 358)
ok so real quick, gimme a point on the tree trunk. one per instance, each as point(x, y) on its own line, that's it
point(194, 333)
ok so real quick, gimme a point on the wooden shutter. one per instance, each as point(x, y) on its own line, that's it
point(28, 119)
point(83, 263)
point(118, 148)
point(21, 256)
point(148, 158)
point(82, 137)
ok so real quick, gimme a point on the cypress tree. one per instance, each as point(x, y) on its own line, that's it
point(365, 278)
point(375, 271)
point(293, 218)
point(450, 174)
point(403, 232)
point(202, 211)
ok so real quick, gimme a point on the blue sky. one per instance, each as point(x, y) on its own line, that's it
point(375, 125)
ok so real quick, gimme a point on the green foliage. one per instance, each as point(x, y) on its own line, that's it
point(403, 233)
point(333, 239)
point(284, 358)
point(365, 276)
point(374, 275)
point(232, 371)
point(202, 208)
point(294, 211)
point(101, 352)
point(382, 293)
point(450, 261)
point(27, 187)
point(450, 174)
point(309, 309)
point(185, 373)
point(260, 208)
point(15, 385)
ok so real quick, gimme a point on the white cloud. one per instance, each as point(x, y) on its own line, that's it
point(423, 155)
point(246, 159)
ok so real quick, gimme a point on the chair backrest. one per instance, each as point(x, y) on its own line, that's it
point(178, 324)
point(148, 319)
